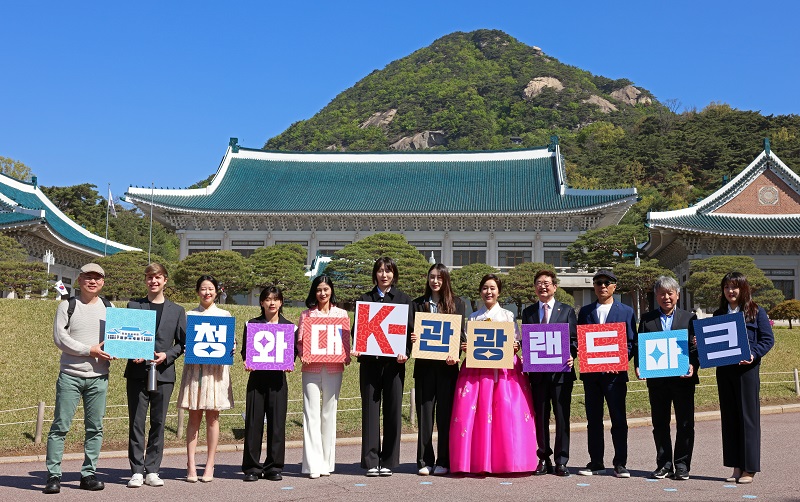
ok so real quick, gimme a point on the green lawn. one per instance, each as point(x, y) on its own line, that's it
point(29, 366)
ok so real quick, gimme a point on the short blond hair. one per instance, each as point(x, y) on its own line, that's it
point(156, 269)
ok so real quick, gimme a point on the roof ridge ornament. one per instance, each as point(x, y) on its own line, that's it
point(233, 143)
point(766, 146)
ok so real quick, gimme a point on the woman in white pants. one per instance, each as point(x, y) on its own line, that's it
point(321, 382)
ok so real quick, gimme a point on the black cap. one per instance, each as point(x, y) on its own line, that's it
point(604, 272)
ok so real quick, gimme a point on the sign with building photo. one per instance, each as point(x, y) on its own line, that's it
point(545, 347)
point(490, 344)
point(326, 339)
point(722, 340)
point(663, 353)
point(270, 346)
point(438, 336)
point(602, 347)
point(130, 333)
point(210, 339)
point(381, 329)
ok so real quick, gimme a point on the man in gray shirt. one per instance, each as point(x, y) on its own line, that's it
point(83, 375)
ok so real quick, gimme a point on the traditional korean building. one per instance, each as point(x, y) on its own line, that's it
point(756, 214)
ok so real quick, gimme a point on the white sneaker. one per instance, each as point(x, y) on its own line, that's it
point(385, 471)
point(373, 472)
point(440, 471)
point(426, 471)
point(313, 475)
point(152, 479)
point(136, 481)
point(324, 473)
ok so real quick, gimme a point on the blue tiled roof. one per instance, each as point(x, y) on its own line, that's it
point(14, 218)
point(778, 226)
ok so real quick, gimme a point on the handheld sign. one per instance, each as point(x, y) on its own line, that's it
point(545, 347)
point(270, 346)
point(381, 328)
point(722, 340)
point(490, 344)
point(209, 339)
point(602, 347)
point(130, 333)
point(438, 336)
point(326, 339)
point(664, 353)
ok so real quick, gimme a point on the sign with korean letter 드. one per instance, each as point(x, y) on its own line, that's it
point(209, 339)
point(664, 353)
point(438, 336)
point(722, 340)
point(490, 344)
point(602, 347)
point(381, 328)
point(545, 347)
point(326, 339)
point(270, 346)
point(130, 333)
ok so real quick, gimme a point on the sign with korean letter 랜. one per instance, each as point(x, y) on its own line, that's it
point(545, 347)
point(270, 346)
point(326, 339)
point(664, 353)
point(438, 336)
point(603, 347)
point(381, 328)
point(130, 333)
point(490, 344)
point(722, 340)
point(210, 339)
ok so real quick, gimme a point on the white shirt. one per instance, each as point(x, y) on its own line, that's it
point(602, 312)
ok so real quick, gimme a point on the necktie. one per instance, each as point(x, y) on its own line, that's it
point(546, 309)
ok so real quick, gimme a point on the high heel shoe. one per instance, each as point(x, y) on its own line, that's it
point(191, 479)
point(208, 476)
point(737, 473)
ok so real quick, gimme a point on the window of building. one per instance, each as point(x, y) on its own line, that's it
point(329, 248)
point(437, 254)
point(469, 244)
point(243, 251)
point(259, 244)
point(785, 286)
point(512, 258)
point(302, 243)
point(200, 250)
point(514, 244)
point(556, 258)
point(462, 257)
point(208, 243)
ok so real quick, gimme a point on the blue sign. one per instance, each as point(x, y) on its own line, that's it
point(209, 339)
point(130, 333)
point(664, 353)
point(722, 340)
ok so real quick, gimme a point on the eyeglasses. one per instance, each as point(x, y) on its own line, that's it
point(543, 284)
point(605, 283)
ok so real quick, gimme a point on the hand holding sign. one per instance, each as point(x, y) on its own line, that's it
point(438, 336)
point(722, 340)
point(209, 339)
point(325, 339)
point(490, 344)
point(602, 347)
point(381, 329)
point(545, 347)
point(270, 346)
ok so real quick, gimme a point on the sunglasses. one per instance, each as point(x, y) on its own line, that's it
point(605, 283)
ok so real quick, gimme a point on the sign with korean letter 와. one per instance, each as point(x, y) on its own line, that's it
point(545, 347)
point(130, 333)
point(326, 339)
point(438, 336)
point(602, 347)
point(270, 346)
point(381, 329)
point(210, 339)
point(490, 344)
point(722, 340)
point(664, 353)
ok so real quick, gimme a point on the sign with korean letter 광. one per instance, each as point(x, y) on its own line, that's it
point(664, 353)
point(490, 344)
point(209, 339)
point(130, 333)
point(603, 347)
point(722, 340)
point(381, 328)
point(326, 339)
point(438, 336)
point(545, 347)
point(270, 346)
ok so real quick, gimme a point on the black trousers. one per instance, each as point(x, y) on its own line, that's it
point(740, 415)
point(613, 388)
point(665, 393)
point(435, 387)
point(139, 400)
point(381, 379)
point(557, 397)
point(267, 396)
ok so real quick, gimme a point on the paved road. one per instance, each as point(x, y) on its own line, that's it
point(780, 480)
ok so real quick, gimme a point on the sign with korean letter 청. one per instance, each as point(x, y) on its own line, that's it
point(210, 339)
point(664, 353)
point(270, 346)
point(545, 347)
point(722, 340)
point(325, 339)
point(381, 328)
point(130, 333)
point(438, 336)
point(602, 347)
point(490, 344)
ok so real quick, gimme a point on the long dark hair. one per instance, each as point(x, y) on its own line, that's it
point(389, 264)
point(746, 303)
point(311, 299)
point(447, 304)
point(270, 290)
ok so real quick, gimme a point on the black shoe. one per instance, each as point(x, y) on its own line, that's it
point(681, 473)
point(91, 483)
point(53, 485)
point(561, 470)
point(273, 476)
point(621, 472)
point(544, 467)
point(251, 476)
point(661, 473)
point(592, 469)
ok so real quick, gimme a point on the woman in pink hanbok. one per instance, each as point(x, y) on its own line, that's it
point(492, 428)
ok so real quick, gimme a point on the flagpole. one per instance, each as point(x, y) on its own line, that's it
point(108, 204)
point(150, 244)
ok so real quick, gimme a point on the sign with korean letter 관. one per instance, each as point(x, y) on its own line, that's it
point(209, 339)
point(438, 336)
point(130, 333)
point(270, 346)
point(664, 353)
point(602, 347)
point(545, 347)
point(490, 344)
point(722, 340)
point(381, 328)
point(326, 339)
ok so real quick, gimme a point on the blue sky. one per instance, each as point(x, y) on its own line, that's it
point(130, 93)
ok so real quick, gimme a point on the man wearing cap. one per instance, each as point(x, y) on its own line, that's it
point(611, 386)
point(83, 375)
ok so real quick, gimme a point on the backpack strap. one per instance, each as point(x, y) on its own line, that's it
point(71, 307)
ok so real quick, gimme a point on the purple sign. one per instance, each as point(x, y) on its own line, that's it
point(545, 347)
point(270, 346)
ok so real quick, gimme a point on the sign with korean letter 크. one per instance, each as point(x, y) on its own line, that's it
point(602, 347)
point(209, 339)
point(326, 339)
point(381, 328)
point(130, 333)
point(438, 336)
point(664, 353)
point(722, 340)
point(270, 346)
point(490, 344)
point(545, 347)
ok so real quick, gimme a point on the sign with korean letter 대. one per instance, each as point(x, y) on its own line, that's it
point(270, 346)
point(664, 353)
point(130, 333)
point(326, 339)
point(545, 347)
point(438, 336)
point(602, 347)
point(722, 340)
point(209, 339)
point(381, 328)
point(490, 344)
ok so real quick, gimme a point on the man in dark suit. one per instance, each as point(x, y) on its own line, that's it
point(611, 386)
point(552, 388)
point(672, 391)
point(170, 343)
